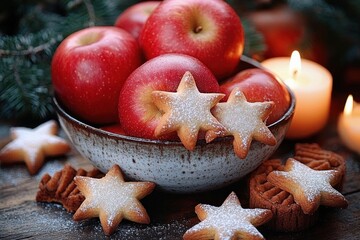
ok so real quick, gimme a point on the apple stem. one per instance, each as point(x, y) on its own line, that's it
point(198, 29)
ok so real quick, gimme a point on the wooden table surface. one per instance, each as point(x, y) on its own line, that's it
point(21, 217)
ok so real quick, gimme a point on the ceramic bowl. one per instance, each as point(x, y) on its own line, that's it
point(168, 164)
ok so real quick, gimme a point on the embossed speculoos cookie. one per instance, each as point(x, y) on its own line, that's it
point(288, 215)
point(61, 187)
point(317, 158)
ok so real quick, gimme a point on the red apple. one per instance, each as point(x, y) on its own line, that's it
point(294, 29)
point(133, 18)
point(209, 30)
point(114, 128)
point(137, 113)
point(258, 86)
point(282, 28)
point(89, 68)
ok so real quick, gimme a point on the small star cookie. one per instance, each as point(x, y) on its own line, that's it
point(111, 199)
point(33, 145)
point(229, 221)
point(244, 120)
point(309, 187)
point(187, 111)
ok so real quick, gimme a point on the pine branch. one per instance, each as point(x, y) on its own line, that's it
point(339, 23)
point(254, 41)
point(25, 90)
point(326, 14)
point(26, 46)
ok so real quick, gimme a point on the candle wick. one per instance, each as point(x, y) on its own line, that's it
point(294, 75)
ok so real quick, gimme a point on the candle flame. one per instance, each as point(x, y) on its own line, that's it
point(349, 105)
point(295, 64)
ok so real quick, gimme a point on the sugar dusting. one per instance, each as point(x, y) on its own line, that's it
point(33, 145)
point(112, 196)
point(245, 120)
point(162, 231)
point(191, 108)
point(312, 182)
point(46, 221)
point(229, 220)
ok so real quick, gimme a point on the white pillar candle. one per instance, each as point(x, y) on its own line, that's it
point(312, 86)
point(349, 125)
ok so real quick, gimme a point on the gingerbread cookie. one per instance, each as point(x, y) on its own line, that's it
point(32, 146)
point(243, 120)
point(229, 221)
point(61, 187)
point(187, 111)
point(112, 199)
point(310, 188)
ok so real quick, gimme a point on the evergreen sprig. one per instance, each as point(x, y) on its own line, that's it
point(339, 24)
point(25, 77)
point(254, 41)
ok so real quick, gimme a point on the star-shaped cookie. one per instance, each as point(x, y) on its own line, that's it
point(229, 221)
point(243, 120)
point(32, 146)
point(112, 199)
point(186, 111)
point(309, 187)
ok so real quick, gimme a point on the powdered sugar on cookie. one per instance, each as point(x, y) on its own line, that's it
point(309, 187)
point(229, 221)
point(32, 146)
point(187, 111)
point(112, 199)
point(243, 120)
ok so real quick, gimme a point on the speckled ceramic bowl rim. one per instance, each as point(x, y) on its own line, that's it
point(60, 110)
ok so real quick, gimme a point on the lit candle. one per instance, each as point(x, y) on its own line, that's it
point(349, 125)
point(312, 86)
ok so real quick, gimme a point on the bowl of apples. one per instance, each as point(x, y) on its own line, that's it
point(168, 163)
point(186, 118)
